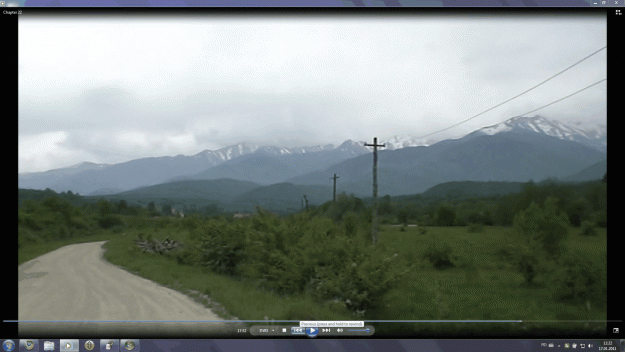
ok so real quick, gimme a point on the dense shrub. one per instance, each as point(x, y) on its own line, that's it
point(475, 228)
point(360, 285)
point(600, 219)
point(527, 263)
point(109, 221)
point(578, 277)
point(219, 250)
point(445, 216)
point(350, 222)
point(104, 207)
point(439, 254)
point(78, 222)
point(541, 232)
point(25, 237)
point(189, 255)
point(577, 212)
point(542, 229)
point(506, 252)
point(58, 205)
point(344, 205)
point(588, 229)
point(306, 252)
point(191, 222)
point(403, 215)
point(483, 218)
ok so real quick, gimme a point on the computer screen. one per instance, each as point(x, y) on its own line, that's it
point(312, 173)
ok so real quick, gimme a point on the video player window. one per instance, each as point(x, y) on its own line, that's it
point(282, 173)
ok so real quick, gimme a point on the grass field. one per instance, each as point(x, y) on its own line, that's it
point(481, 286)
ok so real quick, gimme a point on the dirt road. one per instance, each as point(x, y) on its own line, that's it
point(75, 283)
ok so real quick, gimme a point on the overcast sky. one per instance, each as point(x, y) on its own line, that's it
point(111, 89)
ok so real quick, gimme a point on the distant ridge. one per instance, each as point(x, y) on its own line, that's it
point(516, 150)
point(221, 190)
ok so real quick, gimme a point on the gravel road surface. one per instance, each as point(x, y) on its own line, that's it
point(75, 283)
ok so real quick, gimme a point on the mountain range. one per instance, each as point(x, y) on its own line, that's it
point(519, 149)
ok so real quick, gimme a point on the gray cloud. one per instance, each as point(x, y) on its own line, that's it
point(116, 88)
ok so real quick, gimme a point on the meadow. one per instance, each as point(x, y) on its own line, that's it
point(321, 265)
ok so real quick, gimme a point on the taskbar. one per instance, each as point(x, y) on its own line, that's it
point(317, 342)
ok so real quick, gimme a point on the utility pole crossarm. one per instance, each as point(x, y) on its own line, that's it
point(375, 144)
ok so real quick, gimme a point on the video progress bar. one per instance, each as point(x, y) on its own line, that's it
point(297, 321)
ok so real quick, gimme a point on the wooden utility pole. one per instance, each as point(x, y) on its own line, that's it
point(374, 226)
point(334, 192)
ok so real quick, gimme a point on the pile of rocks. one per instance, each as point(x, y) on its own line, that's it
point(156, 246)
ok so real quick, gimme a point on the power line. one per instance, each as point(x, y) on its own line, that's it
point(498, 105)
point(568, 96)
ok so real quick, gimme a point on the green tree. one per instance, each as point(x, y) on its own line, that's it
point(122, 207)
point(445, 216)
point(59, 206)
point(577, 212)
point(542, 231)
point(544, 228)
point(402, 215)
point(104, 207)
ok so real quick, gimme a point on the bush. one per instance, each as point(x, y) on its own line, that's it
point(483, 218)
point(588, 229)
point(507, 252)
point(191, 222)
point(527, 265)
point(78, 223)
point(542, 229)
point(403, 215)
point(190, 255)
point(350, 222)
point(109, 221)
point(360, 285)
point(58, 205)
point(219, 251)
point(439, 254)
point(445, 216)
point(344, 204)
point(578, 278)
point(475, 228)
point(601, 219)
point(578, 212)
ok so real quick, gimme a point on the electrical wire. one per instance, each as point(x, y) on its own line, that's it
point(539, 84)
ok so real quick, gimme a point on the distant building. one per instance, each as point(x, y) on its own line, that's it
point(242, 215)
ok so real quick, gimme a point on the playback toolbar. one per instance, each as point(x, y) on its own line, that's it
point(292, 331)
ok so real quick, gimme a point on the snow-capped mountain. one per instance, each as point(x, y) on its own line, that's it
point(261, 163)
point(231, 152)
point(87, 178)
point(596, 137)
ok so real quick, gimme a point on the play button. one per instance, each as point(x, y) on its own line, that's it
point(312, 332)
